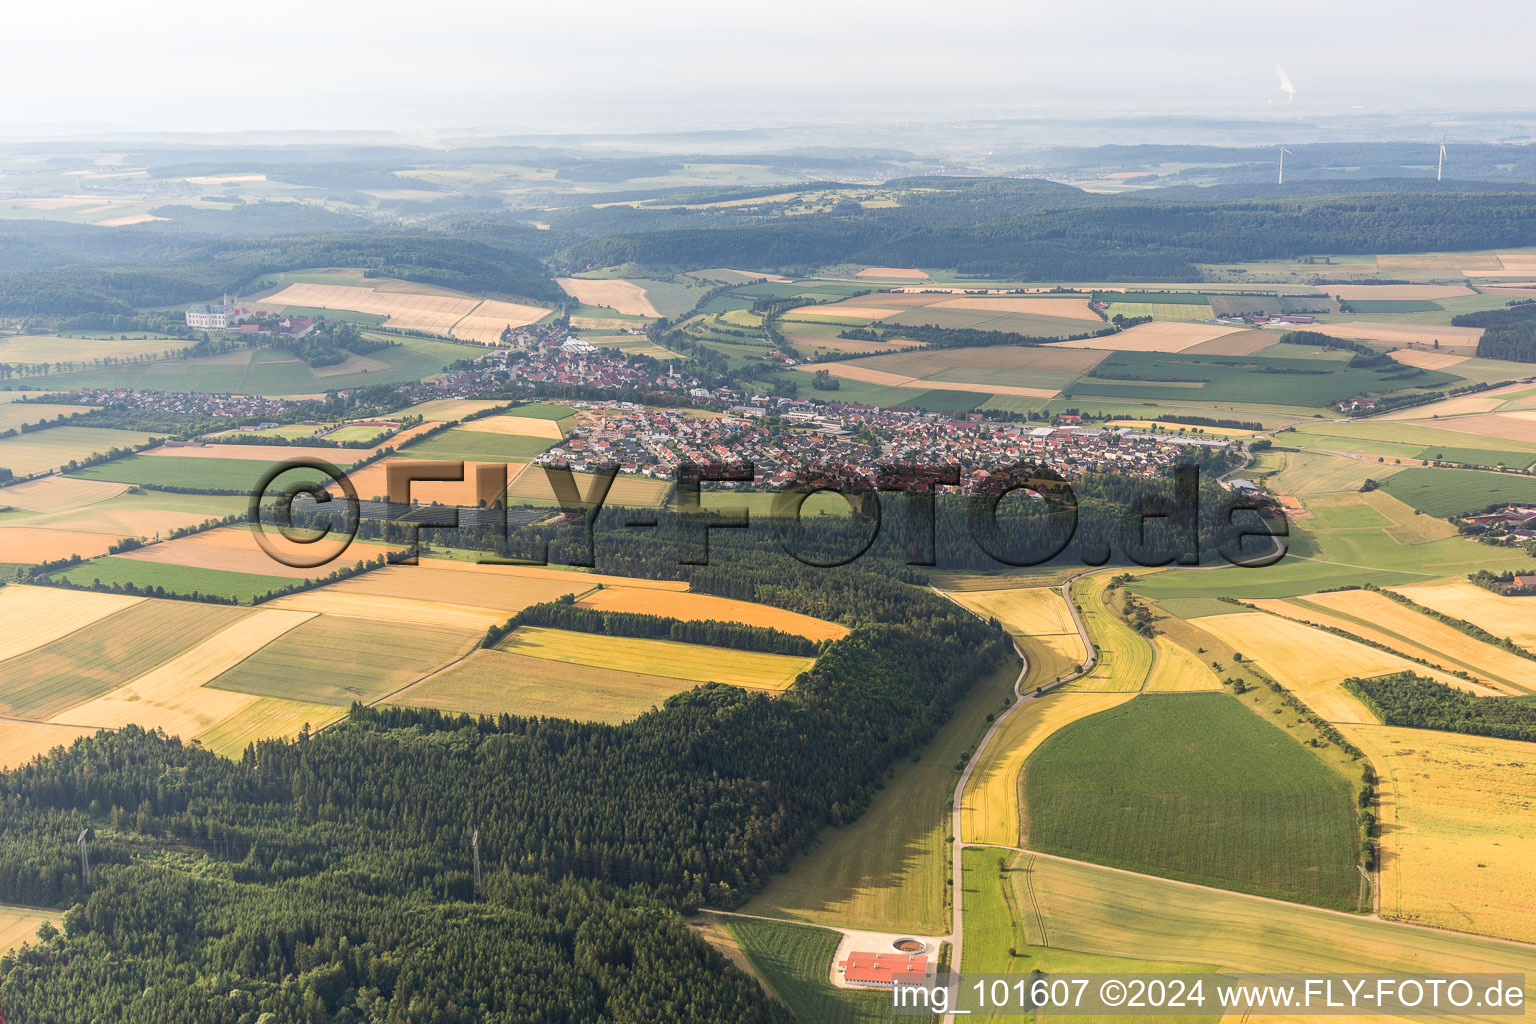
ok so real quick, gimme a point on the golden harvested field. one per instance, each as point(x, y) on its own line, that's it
point(997, 359)
point(1243, 343)
point(1125, 656)
point(620, 296)
point(500, 595)
point(1030, 611)
point(117, 520)
point(436, 312)
point(853, 371)
point(1429, 638)
point(1461, 340)
point(1397, 291)
point(495, 682)
point(273, 453)
point(32, 546)
point(109, 652)
point(47, 348)
point(16, 414)
point(897, 273)
point(331, 601)
point(1307, 473)
point(627, 488)
point(33, 616)
point(1071, 309)
point(172, 696)
point(486, 321)
point(576, 579)
point(706, 607)
point(58, 493)
point(339, 659)
point(1512, 617)
point(1424, 360)
point(1524, 262)
point(842, 311)
point(444, 409)
point(20, 742)
point(1309, 662)
point(990, 806)
point(44, 450)
point(20, 924)
point(1177, 669)
point(1459, 833)
point(521, 426)
point(235, 550)
point(1088, 907)
point(267, 719)
point(1463, 405)
point(697, 662)
point(1511, 426)
point(372, 481)
point(1158, 336)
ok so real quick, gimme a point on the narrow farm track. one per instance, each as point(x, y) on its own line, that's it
point(958, 845)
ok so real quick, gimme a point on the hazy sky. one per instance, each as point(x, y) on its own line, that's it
point(176, 64)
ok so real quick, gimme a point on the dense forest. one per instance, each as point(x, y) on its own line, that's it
point(1415, 702)
point(329, 879)
point(1509, 333)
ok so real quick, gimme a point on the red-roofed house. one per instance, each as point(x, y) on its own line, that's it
point(885, 969)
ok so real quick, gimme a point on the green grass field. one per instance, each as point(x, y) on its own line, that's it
point(174, 579)
point(887, 870)
point(337, 660)
point(1124, 656)
point(1301, 382)
point(264, 371)
point(542, 411)
point(1454, 492)
point(350, 316)
point(1198, 788)
point(477, 445)
point(1004, 935)
point(796, 960)
point(239, 475)
point(42, 450)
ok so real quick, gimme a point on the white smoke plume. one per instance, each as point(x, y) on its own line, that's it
point(1285, 83)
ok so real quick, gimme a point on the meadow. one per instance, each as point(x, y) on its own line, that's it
point(696, 662)
point(55, 447)
point(991, 809)
point(332, 659)
point(173, 579)
point(1453, 492)
point(1196, 787)
point(478, 445)
point(193, 474)
point(1242, 379)
point(887, 871)
point(1123, 656)
point(1084, 906)
point(498, 683)
point(1004, 934)
point(796, 961)
point(266, 371)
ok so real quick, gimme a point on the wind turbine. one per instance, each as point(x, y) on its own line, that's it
point(1283, 151)
point(1440, 167)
